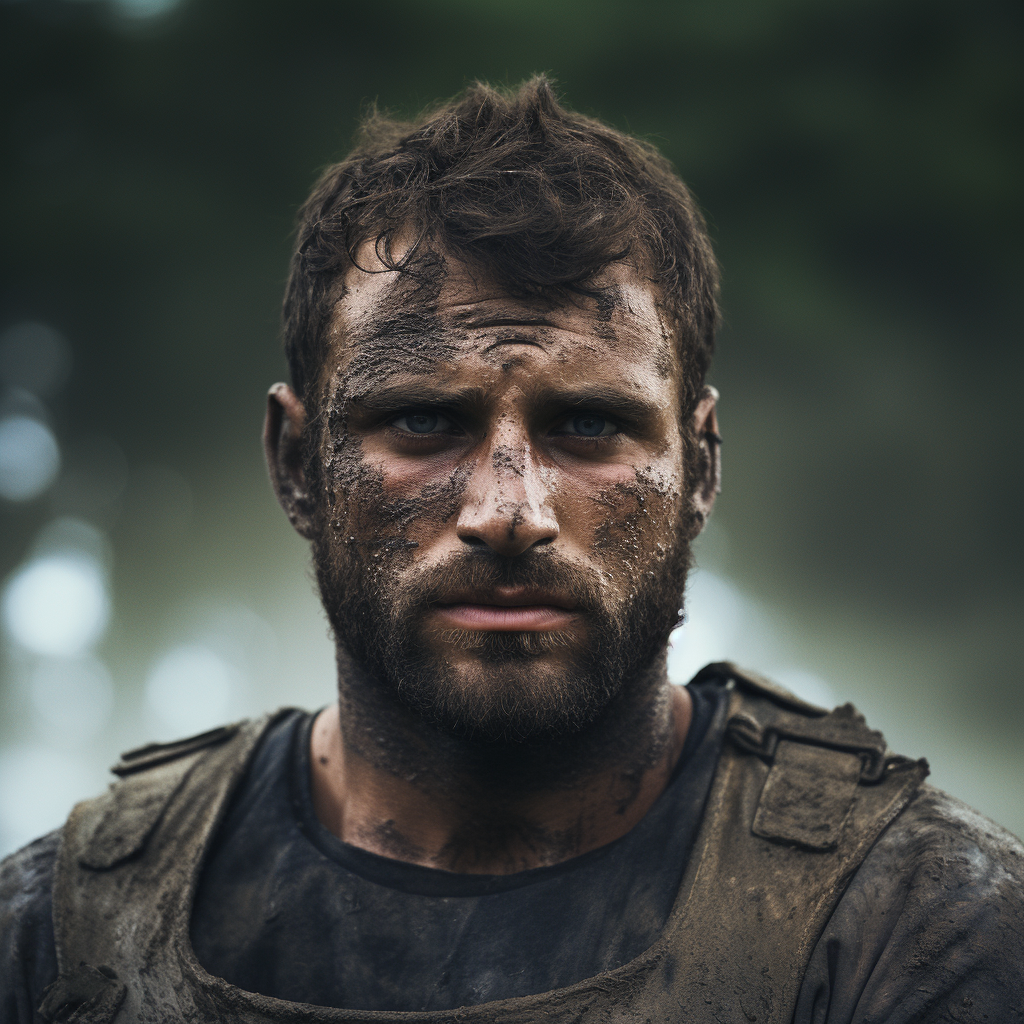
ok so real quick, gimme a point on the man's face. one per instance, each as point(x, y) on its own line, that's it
point(503, 526)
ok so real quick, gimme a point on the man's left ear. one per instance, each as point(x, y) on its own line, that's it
point(282, 445)
point(708, 482)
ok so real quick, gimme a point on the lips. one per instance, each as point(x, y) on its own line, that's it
point(507, 610)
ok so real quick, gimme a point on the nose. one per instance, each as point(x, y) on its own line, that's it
point(506, 503)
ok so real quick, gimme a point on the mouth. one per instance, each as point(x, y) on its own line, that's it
point(506, 610)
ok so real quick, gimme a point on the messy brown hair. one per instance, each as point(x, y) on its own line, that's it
point(512, 183)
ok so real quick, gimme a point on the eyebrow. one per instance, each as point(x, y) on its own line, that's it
point(417, 392)
point(628, 406)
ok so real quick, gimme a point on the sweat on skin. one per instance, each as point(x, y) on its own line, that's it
point(501, 496)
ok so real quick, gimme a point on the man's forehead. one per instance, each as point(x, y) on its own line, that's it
point(440, 311)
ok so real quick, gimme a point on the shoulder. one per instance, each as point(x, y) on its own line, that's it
point(937, 829)
point(960, 876)
point(952, 870)
point(957, 874)
point(101, 833)
point(931, 926)
point(29, 871)
point(26, 927)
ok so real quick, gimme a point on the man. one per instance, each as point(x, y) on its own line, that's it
point(499, 441)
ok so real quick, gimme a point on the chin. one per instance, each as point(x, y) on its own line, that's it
point(508, 688)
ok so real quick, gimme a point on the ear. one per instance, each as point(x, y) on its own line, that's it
point(282, 445)
point(705, 427)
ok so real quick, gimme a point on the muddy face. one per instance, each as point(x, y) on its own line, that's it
point(502, 528)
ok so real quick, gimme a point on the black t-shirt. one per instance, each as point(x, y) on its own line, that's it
point(286, 909)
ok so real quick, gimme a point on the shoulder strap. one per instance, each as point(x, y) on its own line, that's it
point(117, 825)
point(125, 865)
point(817, 761)
point(800, 796)
point(152, 754)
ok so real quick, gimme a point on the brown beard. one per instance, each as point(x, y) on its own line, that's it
point(513, 697)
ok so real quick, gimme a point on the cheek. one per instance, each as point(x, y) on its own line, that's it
point(352, 486)
point(376, 509)
point(427, 506)
point(353, 534)
point(637, 523)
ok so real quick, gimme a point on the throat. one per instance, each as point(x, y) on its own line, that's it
point(394, 786)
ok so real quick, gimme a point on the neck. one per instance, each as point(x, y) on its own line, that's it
point(388, 782)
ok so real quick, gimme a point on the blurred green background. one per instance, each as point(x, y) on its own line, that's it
point(860, 165)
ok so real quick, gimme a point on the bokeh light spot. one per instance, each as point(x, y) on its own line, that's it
point(68, 534)
point(721, 623)
point(29, 458)
point(145, 8)
point(57, 605)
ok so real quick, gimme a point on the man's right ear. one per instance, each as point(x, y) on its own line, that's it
point(282, 445)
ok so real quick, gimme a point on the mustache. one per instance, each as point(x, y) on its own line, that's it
point(484, 570)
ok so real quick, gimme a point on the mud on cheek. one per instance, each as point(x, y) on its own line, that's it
point(638, 518)
point(644, 532)
point(367, 525)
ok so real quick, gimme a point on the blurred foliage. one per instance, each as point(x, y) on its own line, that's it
point(860, 163)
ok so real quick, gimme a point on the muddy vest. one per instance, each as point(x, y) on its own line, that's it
point(798, 798)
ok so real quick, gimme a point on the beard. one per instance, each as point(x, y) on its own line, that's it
point(506, 688)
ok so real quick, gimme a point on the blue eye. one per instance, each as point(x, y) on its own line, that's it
point(422, 422)
point(588, 424)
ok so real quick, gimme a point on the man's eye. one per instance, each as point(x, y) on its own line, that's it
point(588, 424)
point(422, 422)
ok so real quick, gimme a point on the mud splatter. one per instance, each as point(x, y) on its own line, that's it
point(402, 331)
point(638, 512)
point(372, 522)
point(607, 301)
point(506, 459)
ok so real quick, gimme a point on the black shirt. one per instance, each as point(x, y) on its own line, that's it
point(286, 909)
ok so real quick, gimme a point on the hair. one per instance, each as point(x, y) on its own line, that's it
point(516, 185)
